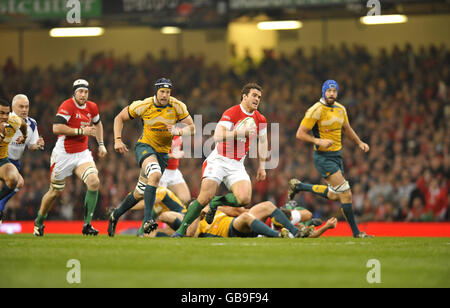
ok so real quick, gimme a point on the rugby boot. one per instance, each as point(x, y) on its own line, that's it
point(284, 233)
point(112, 224)
point(38, 230)
point(364, 235)
point(89, 230)
point(209, 217)
point(293, 188)
point(149, 226)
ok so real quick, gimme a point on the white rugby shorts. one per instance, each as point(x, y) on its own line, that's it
point(224, 170)
point(171, 177)
point(62, 165)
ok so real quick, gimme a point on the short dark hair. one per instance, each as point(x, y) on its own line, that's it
point(248, 87)
point(4, 102)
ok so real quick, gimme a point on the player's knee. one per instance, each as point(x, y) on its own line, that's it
point(153, 173)
point(154, 179)
point(185, 198)
point(20, 183)
point(205, 197)
point(56, 187)
point(243, 200)
point(332, 196)
point(346, 196)
point(247, 218)
point(138, 195)
point(90, 178)
point(93, 182)
point(54, 193)
point(11, 179)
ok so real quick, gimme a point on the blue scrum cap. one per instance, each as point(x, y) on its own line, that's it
point(329, 84)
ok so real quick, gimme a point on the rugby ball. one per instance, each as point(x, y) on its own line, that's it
point(246, 123)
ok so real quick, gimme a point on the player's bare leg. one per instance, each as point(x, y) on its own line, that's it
point(11, 179)
point(208, 190)
point(240, 196)
point(181, 190)
point(152, 171)
point(88, 173)
point(242, 190)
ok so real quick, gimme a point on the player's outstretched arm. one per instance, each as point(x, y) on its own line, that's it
point(348, 130)
point(330, 224)
point(121, 118)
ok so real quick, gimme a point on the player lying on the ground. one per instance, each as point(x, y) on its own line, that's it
point(238, 222)
point(313, 233)
point(168, 208)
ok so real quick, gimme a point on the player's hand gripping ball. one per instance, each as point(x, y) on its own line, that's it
point(245, 128)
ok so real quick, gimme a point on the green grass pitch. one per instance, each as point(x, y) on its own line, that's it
point(127, 261)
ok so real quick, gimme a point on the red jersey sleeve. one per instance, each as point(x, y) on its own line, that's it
point(95, 114)
point(229, 118)
point(65, 110)
point(261, 125)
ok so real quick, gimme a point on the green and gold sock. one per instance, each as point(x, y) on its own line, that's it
point(320, 190)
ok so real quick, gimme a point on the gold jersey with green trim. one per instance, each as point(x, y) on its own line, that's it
point(155, 118)
point(219, 227)
point(13, 124)
point(163, 204)
point(326, 122)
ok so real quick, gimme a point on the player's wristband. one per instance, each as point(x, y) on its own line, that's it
point(101, 144)
point(118, 138)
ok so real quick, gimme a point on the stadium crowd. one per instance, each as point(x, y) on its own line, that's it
point(397, 102)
